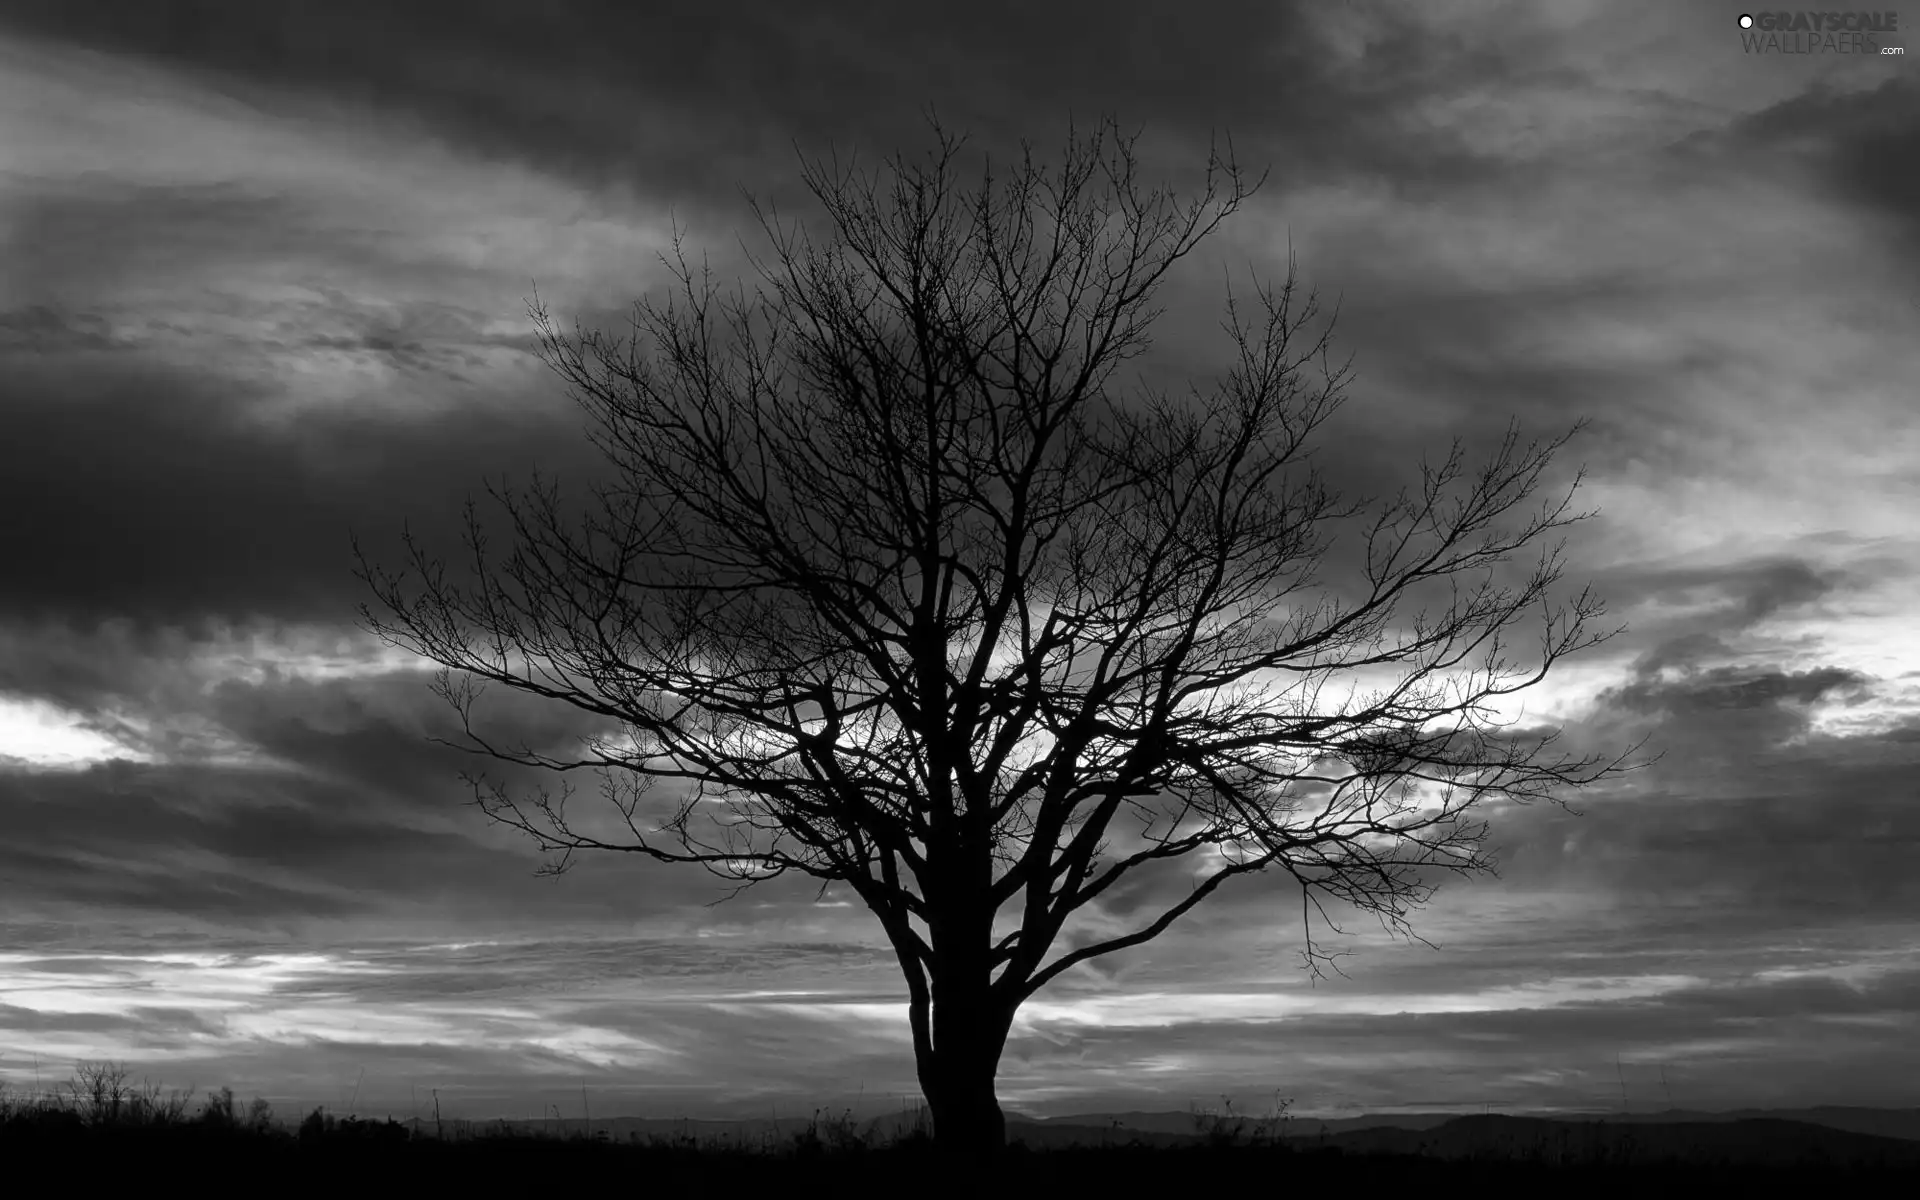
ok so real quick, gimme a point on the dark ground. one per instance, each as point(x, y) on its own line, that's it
point(1492, 1155)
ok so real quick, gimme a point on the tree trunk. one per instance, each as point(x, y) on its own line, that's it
point(957, 1077)
point(969, 1023)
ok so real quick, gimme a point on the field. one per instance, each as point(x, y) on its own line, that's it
point(100, 1131)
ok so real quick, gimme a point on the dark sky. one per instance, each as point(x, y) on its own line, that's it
point(263, 267)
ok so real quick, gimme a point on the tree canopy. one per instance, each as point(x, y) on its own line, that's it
point(895, 586)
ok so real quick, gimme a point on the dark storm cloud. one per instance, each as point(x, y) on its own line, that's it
point(388, 732)
point(1697, 613)
point(1724, 688)
point(139, 489)
point(42, 328)
point(232, 846)
point(225, 844)
point(693, 100)
point(1752, 818)
point(424, 338)
point(1810, 850)
point(63, 241)
point(371, 744)
point(112, 264)
point(1865, 141)
point(367, 816)
point(1761, 588)
point(581, 89)
point(180, 1024)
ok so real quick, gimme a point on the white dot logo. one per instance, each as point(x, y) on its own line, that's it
point(1746, 22)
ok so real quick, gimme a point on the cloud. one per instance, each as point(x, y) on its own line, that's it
point(1728, 688)
point(40, 327)
point(1863, 141)
point(1693, 1046)
point(263, 850)
point(169, 496)
point(1753, 819)
point(603, 94)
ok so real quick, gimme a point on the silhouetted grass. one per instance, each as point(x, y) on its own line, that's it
point(101, 1128)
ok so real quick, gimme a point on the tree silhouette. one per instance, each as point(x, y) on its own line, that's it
point(889, 573)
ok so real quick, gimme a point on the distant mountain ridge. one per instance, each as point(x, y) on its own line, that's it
point(1839, 1136)
point(1746, 1141)
point(1830, 1133)
point(1880, 1122)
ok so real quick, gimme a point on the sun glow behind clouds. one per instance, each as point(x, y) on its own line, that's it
point(42, 735)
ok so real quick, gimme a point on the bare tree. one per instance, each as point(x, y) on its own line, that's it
point(889, 573)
